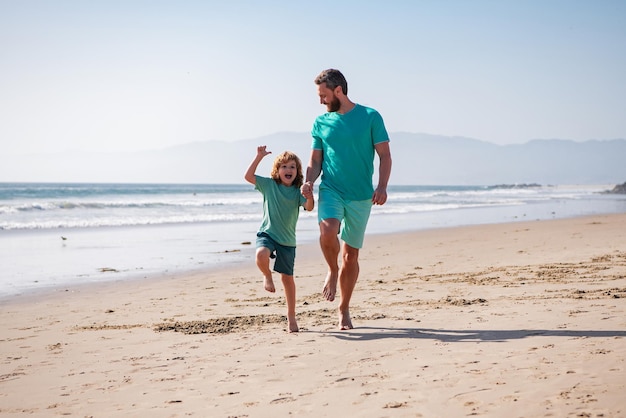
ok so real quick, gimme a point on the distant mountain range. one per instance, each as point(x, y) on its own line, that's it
point(417, 159)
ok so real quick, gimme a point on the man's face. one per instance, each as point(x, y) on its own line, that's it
point(328, 98)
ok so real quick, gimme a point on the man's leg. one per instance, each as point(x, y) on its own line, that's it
point(329, 243)
point(348, 276)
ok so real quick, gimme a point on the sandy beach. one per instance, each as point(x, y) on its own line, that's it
point(525, 319)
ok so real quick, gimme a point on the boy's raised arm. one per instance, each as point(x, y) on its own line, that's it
point(261, 152)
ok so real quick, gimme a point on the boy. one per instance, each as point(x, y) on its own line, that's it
point(276, 237)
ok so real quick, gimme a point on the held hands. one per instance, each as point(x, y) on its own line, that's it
point(380, 196)
point(307, 190)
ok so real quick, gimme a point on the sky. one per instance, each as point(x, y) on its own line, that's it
point(130, 75)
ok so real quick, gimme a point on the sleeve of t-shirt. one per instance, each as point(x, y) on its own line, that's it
point(317, 141)
point(379, 133)
point(260, 183)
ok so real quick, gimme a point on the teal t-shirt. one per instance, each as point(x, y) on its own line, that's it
point(347, 142)
point(281, 207)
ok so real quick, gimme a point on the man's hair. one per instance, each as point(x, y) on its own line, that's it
point(332, 78)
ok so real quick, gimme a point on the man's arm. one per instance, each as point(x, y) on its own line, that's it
point(384, 172)
point(309, 205)
point(313, 171)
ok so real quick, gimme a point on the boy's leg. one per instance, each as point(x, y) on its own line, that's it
point(290, 294)
point(263, 262)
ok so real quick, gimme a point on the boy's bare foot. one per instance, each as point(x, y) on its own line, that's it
point(292, 325)
point(345, 322)
point(330, 287)
point(268, 284)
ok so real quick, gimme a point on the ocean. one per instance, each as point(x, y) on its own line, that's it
point(54, 235)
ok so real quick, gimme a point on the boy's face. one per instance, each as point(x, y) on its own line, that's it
point(287, 172)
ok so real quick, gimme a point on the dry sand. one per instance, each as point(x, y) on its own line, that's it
point(526, 319)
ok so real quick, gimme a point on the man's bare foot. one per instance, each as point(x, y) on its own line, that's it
point(268, 284)
point(344, 320)
point(330, 287)
point(292, 325)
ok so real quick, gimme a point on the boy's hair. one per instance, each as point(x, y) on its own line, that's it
point(332, 78)
point(282, 159)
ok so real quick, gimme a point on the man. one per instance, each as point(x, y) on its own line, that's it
point(345, 140)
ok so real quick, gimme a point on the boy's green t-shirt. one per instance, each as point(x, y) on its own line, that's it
point(347, 141)
point(281, 208)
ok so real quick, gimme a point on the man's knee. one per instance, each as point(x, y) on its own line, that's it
point(350, 254)
point(329, 228)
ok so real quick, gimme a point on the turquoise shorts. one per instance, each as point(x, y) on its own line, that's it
point(285, 256)
point(353, 215)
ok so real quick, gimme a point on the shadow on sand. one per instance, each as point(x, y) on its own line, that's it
point(469, 335)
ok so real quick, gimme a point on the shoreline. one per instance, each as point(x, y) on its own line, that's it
point(243, 258)
point(472, 320)
point(51, 258)
point(113, 254)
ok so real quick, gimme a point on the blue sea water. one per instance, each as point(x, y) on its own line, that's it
point(54, 235)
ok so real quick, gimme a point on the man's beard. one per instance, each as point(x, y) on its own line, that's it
point(334, 105)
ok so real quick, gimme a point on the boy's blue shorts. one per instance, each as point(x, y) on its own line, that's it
point(285, 256)
point(353, 215)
